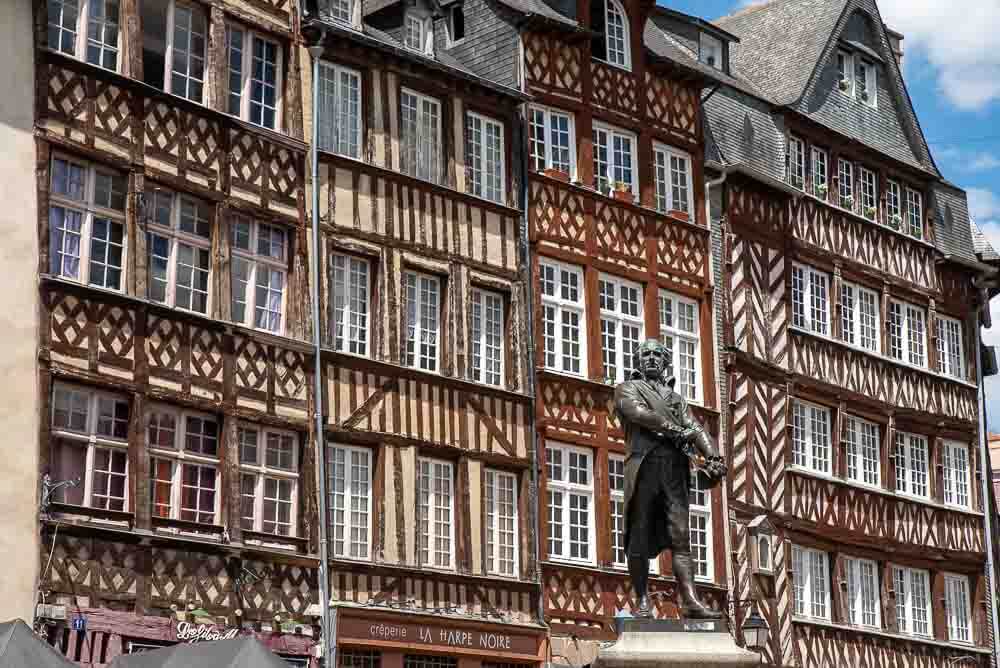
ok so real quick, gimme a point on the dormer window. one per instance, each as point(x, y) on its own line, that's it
point(710, 51)
point(856, 77)
point(416, 33)
point(456, 24)
point(611, 41)
point(340, 10)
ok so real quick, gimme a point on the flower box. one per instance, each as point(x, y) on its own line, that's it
point(556, 174)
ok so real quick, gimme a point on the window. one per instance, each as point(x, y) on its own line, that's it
point(179, 242)
point(810, 582)
point(811, 436)
point(907, 330)
point(424, 661)
point(259, 270)
point(415, 33)
point(184, 465)
point(864, 81)
point(255, 78)
point(456, 24)
point(434, 513)
point(955, 462)
point(85, 29)
point(611, 33)
point(487, 337)
point(90, 435)
point(672, 172)
point(423, 320)
point(913, 600)
point(484, 161)
point(679, 332)
point(949, 345)
point(810, 304)
point(269, 472)
point(351, 304)
point(616, 485)
point(845, 173)
point(869, 193)
point(614, 152)
point(911, 465)
point(362, 658)
point(621, 325)
point(796, 162)
point(863, 607)
point(551, 140)
point(420, 135)
point(956, 606)
point(915, 212)
point(710, 51)
point(700, 515)
point(87, 223)
point(339, 114)
point(341, 10)
point(859, 309)
point(563, 331)
point(502, 532)
point(349, 487)
point(570, 482)
point(845, 72)
point(893, 205)
point(863, 458)
point(820, 172)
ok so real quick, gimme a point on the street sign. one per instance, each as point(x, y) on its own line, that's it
point(79, 624)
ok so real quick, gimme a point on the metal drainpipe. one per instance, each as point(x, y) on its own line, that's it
point(327, 629)
point(983, 467)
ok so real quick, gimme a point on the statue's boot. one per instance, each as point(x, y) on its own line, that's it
point(638, 570)
point(691, 606)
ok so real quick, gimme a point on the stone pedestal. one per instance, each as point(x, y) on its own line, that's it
point(662, 643)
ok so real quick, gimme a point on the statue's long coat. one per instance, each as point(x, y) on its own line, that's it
point(650, 415)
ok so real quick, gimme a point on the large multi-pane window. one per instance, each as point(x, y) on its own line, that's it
point(869, 193)
point(551, 142)
point(700, 517)
point(184, 464)
point(893, 204)
point(87, 223)
point(907, 333)
point(616, 488)
point(254, 77)
point(845, 174)
point(350, 490)
point(863, 451)
point(90, 437)
point(915, 212)
point(269, 472)
point(259, 266)
point(811, 436)
point(484, 161)
point(913, 601)
point(502, 534)
point(341, 10)
point(423, 320)
point(810, 583)
point(87, 29)
point(911, 457)
point(435, 513)
point(796, 162)
point(351, 301)
point(179, 244)
point(955, 474)
point(820, 171)
point(621, 325)
point(810, 299)
point(860, 316)
point(949, 347)
point(563, 327)
point(487, 337)
point(956, 607)
point(570, 485)
point(679, 333)
point(420, 136)
point(613, 45)
point(339, 113)
point(672, 174)
point(863, 607)
point(614, 159)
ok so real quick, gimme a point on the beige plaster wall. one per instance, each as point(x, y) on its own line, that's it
point(19, 402)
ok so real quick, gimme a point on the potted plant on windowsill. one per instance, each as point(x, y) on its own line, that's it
point(864, 96)
point(556, 174)
point(844, 84)
point(895, 221)
point(622, 193)
point(847, 201)
point(871, 212)
point(821, 190)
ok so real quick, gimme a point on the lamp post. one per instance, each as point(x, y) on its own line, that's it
point(756, 633)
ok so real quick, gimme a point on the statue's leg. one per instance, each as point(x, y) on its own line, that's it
point(691, 606)
point(638, 570)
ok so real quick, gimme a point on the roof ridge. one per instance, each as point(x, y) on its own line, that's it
point(749, 9)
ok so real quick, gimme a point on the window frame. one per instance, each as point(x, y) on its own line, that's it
point(856, 585)
point(796, 162)
point(331, 132)
point(845, 70)
point(810, 443)
point(421, 21)
point(701, 511)
point(428, 364)
point(905, 445)
point(611, 132)
point(619, 320)
point(854, 315)
point(349, 495)
point(868, 181)
point(914, 213)
point(906, 334)
point(436, 155)
point(175, 236)
point(956, 471)
point(261, 471)
point(487, 166)
point(808, 300)
point(561, 306)
point(180, 457)
point(709, 46)
point(432, 504)
point(816, 152)
point(665, 187)
point(255, 260)
point(804, 578)
point(678, 337)
point(616, 498)
point(626, 55)
point(168, 56)
point(82, 33)
point(905, 601)
point(457, 7)
point(893, 203)
point(870, 88)
point(250, 36)
point(482, 340)
point(945, 363)
point(855, 455)
point(952, 617)
point(492, 528)
point(566, 488)
point(548, 114)
point(845, 186)
point(342, 314)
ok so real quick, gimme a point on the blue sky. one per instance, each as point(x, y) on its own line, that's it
point(953, 77)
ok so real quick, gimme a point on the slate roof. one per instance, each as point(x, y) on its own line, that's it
point(985, 251)
point(526, 7)
point(952, 224)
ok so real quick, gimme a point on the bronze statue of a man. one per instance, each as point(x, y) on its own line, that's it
point(661, 437)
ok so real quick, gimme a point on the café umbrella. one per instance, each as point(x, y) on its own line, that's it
point(20, 647)
point(244, 652)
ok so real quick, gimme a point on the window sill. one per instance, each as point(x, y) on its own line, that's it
point(100, 516)
point(857, 216)
point(273, 541)
point(954, 644)
point(623, 68)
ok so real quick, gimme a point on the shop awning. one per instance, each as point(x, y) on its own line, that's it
point(20, 647)
point(238, 652)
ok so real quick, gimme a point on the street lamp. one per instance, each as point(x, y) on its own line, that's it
point(756, 632)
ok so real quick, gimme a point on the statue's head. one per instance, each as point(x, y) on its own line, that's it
point(651, 361)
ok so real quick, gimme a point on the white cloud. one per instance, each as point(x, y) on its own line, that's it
point(984, 207)
point(959, 39)
point(966, 161)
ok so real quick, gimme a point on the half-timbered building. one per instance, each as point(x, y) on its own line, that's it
point(429, 447)
point(175, 442)
point(850, 349)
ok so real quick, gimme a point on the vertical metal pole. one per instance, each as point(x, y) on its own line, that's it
point(987, 510)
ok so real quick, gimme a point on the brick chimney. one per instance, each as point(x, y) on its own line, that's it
point(896, 44)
